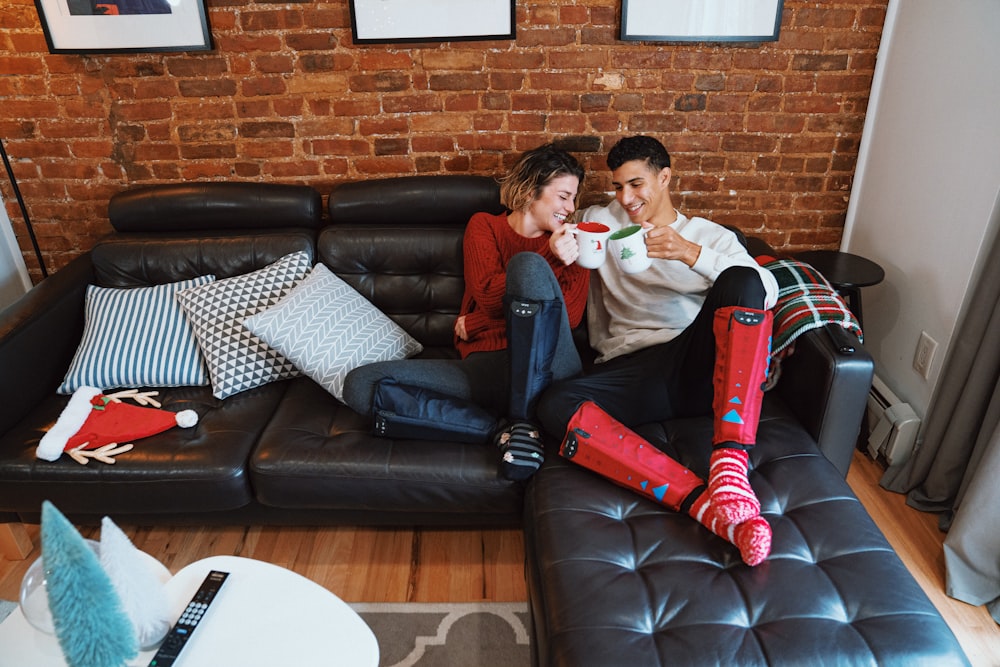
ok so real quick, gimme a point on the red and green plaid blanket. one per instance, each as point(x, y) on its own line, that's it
point(805, 301)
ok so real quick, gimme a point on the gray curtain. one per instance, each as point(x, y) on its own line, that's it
point(956, 468)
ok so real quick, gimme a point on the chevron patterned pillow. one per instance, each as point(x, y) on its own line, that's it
point(327, 329)
point(236, 359)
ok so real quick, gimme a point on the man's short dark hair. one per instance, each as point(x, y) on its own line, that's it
point(639, 147)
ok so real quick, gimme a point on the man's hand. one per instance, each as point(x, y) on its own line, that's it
point(665, 243)
point(563, 244)
point(460, 328)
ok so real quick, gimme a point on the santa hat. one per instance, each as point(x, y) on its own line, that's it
point(91, 420)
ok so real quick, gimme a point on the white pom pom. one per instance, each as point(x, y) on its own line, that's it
point(187, 418)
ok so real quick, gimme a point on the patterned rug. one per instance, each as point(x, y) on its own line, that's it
point(491, 634)
point(6, 606)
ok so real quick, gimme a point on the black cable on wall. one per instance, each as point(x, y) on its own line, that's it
point(24, 211)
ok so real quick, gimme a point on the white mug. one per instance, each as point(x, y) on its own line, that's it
point(592, 239)
point(628, 246)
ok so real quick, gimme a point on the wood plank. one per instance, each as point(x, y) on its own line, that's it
point(918, 541)
point(14, 541)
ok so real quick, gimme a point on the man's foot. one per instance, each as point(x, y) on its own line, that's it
point(752, 537)
point(521, 451)
point(733, 499)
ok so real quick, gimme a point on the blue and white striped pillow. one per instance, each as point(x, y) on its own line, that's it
point(138, 337)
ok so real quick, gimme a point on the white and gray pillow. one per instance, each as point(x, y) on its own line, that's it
point(327, 329)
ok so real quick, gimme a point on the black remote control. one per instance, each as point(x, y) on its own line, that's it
point(188, 622)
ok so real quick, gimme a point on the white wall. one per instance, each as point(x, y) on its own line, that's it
point(928, 177)
point(14, 279)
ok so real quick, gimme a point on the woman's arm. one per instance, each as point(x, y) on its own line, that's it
point(485, 275)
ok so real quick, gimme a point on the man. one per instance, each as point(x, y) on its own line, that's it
point(687, 337)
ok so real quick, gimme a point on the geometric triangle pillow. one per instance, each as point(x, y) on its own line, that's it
point(236, 359)
point(326, 328)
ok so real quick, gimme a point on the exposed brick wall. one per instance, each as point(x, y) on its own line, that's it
point(763, 136)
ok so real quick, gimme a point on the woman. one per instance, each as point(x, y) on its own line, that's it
point(520, 280)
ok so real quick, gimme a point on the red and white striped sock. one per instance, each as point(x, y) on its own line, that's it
point(733, 499)
point(752, 537)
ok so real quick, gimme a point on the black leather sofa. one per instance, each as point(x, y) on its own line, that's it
point(614, 579)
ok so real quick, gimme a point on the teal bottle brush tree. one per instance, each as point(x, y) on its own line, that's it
point(90, 623)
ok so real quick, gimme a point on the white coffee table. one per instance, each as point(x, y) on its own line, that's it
point(264, 615)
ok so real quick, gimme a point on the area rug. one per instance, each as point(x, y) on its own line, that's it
point(6, 606)
point(493, 634)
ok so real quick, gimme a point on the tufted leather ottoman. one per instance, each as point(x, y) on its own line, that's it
point(616, 579)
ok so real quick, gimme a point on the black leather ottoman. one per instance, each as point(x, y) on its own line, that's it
point(616, 579)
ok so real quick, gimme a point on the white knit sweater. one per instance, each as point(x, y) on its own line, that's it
point(628, 312)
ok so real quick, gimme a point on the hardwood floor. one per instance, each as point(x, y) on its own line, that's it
point(400, 565)
point(916, 538)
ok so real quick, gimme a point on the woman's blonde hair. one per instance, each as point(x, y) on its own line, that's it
point(533, 171)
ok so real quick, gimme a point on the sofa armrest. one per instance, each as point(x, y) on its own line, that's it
point(39, 334)
point(825, 383)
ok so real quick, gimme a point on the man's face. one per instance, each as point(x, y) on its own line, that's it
point(642, 191)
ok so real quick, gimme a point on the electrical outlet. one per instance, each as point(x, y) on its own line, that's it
point(922, 358)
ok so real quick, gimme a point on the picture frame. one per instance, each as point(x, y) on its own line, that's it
point(391, 21)
point(124, 26)
point(701, 20)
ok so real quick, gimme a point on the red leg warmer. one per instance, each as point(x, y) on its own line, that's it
point(742, 352)
point(743, 342)
point(597, 441)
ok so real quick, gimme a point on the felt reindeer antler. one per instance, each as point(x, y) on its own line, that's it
point(92, 424)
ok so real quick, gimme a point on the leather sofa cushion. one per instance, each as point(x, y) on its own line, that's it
point(318, 454)
point(139, 260)
point(412, 274)
point(215, 205)
point(197, 469)
point(617, 579)
point(416, 200)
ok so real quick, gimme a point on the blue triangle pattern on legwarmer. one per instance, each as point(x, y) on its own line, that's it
point(660, 491)
point(732, 417)
point(735, 399)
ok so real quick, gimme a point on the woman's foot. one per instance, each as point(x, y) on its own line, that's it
point(521, 451)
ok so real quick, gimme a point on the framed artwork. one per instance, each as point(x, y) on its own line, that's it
point(388, 21)
point(701, 20)
point(124, 26)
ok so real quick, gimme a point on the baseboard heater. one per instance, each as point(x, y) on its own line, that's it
point(892, 425)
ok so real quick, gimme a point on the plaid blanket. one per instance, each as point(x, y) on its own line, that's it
point(805, 301)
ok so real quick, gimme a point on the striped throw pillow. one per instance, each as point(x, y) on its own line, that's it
point(137, 337)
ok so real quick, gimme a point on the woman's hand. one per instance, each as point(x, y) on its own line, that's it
point(460, 328)
point(563, 245)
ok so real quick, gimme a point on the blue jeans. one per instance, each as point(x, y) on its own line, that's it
point(482, 377)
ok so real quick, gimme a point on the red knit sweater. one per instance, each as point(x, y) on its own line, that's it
point(488, 245)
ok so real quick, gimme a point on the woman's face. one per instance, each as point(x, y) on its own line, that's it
point(555, 203)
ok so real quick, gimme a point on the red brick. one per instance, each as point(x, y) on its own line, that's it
point(768, 117)
point(383, 125)
point(432, 144)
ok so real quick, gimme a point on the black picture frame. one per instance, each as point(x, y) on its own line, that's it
point(701, 20)
point(402, 21)
point(124, 26)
